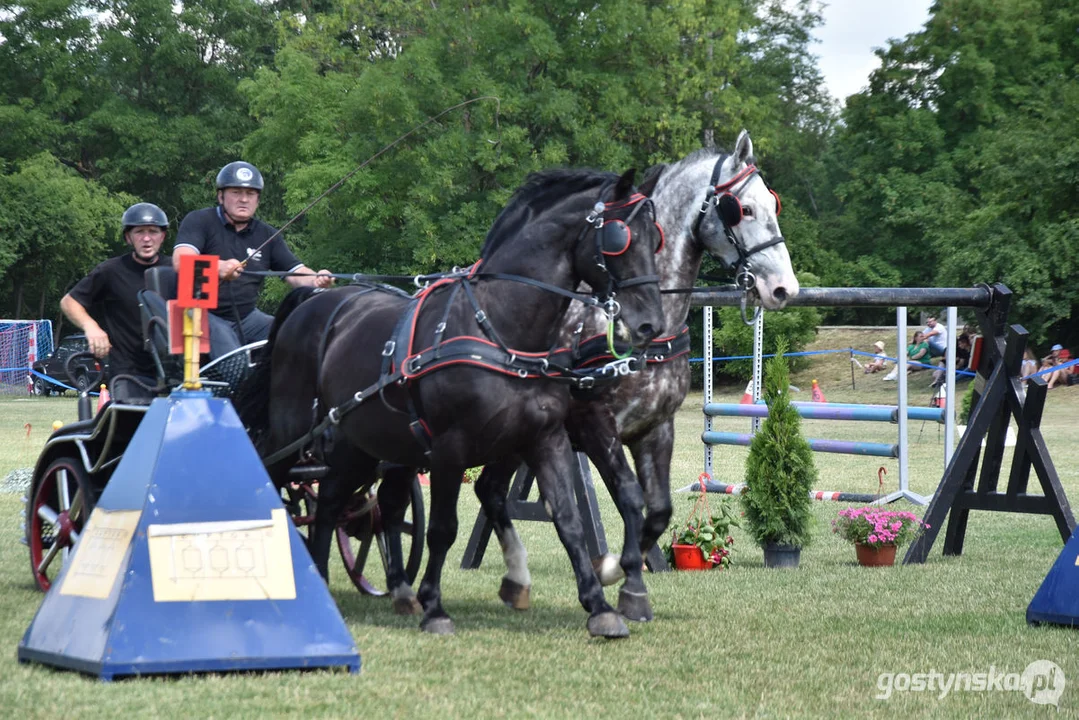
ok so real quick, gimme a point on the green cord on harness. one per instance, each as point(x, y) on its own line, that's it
point(610, 342)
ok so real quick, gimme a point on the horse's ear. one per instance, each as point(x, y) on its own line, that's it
point(624, 186)
point(743, 148)
point(651, 177)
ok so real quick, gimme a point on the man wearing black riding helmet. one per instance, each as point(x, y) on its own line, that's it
point(233, 233)
point(105, 305)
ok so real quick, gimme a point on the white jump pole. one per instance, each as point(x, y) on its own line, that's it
point(901, 402)
point(949, 401)
point(758, 365)
point(708, 384)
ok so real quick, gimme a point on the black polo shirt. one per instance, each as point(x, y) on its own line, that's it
point(110, 294)
point(208, 232)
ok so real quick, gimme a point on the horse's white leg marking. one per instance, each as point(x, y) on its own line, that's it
point(516, 557)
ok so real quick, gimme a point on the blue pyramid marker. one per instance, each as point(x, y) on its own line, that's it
point(189, 563)
point(1057, 600)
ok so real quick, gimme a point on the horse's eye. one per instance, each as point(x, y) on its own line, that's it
point(747, 211)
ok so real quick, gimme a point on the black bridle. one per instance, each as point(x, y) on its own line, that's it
point(613, 237)
point(742, 268)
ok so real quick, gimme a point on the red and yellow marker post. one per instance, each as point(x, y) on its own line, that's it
point(196, 291)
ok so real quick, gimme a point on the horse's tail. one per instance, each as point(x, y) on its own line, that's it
point(253, 399)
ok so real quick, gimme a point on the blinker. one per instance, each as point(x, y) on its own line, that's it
point(614, 237)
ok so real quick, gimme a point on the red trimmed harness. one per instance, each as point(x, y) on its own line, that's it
point(401, 362)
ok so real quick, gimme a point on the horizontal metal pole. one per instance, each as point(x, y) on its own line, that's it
point(828, 411)
point(844, 447)
point(976, 297)
point(739, 489)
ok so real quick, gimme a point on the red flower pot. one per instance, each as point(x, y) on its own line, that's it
point(870, 556)
point(690, 557)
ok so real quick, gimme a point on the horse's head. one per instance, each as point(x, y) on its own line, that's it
point(616, 256)
point(739, 224)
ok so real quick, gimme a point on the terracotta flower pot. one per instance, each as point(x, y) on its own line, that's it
point(870, 556)
point(689, 557)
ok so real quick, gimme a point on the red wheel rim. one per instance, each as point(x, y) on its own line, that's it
point(55, 522)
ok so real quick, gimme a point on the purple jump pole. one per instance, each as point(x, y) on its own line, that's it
point(844, 447)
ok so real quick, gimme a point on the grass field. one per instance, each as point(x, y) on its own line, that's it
point(747, 642)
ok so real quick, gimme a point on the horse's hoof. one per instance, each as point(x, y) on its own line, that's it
point(607, 569)
point(634, 606)
point(438, 626)
point(515, 595)
point(407, 606)
point(607, 624)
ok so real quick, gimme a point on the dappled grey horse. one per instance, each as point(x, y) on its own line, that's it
point(708, 202)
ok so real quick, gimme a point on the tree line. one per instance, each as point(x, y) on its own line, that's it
point(958, 164)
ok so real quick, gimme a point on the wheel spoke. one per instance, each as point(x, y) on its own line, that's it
point(62, 490)
point(76, 507)
point(361, 556)
point(383, 549)
point(47, 514)
point(49, 557)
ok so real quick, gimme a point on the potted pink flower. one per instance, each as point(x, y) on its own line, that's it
point(877, 533)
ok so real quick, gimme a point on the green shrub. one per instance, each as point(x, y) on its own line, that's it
point(779, 469)
point(966, 404)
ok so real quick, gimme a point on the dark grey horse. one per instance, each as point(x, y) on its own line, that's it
point(463, 373)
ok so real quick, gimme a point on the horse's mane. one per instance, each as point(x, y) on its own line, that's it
point(539, 192)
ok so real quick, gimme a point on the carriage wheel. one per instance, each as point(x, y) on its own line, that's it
point(359, 531)
point(57, 511)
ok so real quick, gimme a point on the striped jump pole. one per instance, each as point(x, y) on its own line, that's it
point(824, 495)
point(829, 411)
point(843, 447)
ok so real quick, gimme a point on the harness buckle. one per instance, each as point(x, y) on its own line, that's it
point(414, 364)
point(440, 328)
point(709, 194)
point(595, 218)
point(586, 383)
point(389, 349)
point(334, 416)
point(358, 397)
point(522, 373)
point(481, 317)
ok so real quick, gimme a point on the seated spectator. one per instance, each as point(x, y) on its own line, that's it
point(917, 352)
point(962, 360)
point(880, 360)
point(936, 335)
point(1029, 366)
point(1058, 355)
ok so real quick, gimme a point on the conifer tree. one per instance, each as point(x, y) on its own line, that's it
point(779, 470)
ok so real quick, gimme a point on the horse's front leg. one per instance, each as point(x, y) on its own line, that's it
point(394, 495)
point(491, 489)
point(594, 429)
point(441, 532)
point(551, 457)
point(334, 492)
point(652, 457)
